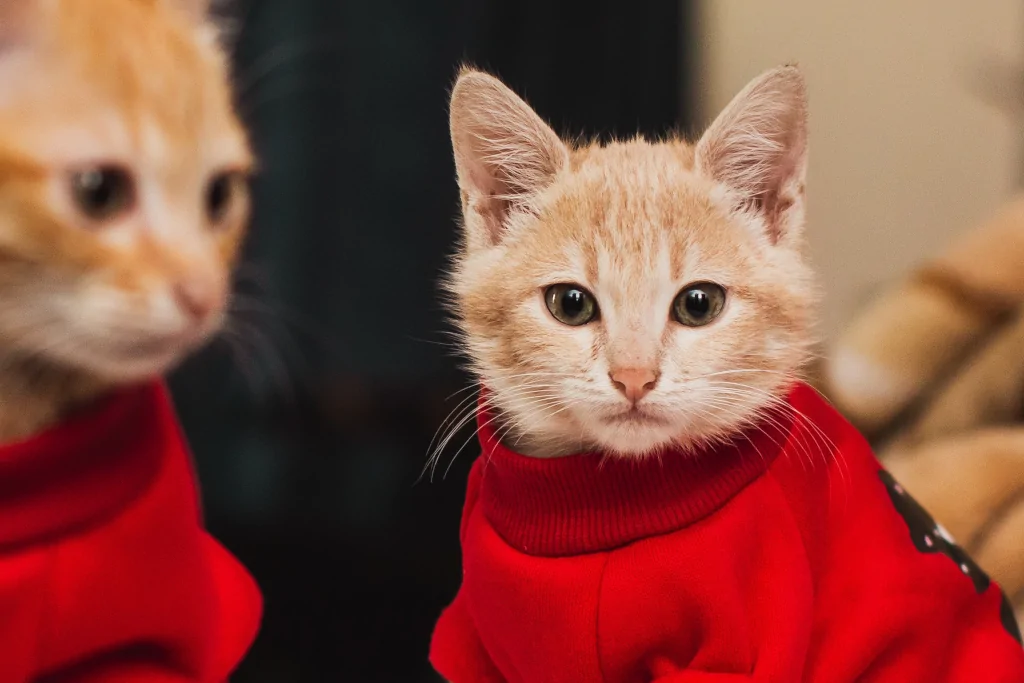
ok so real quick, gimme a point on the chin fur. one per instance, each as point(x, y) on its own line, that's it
point(570, 432)
point(115, 370)
point(48, 388)
point(631, 442)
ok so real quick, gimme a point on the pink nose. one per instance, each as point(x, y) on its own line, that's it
point(634, 383)
point(197, 299)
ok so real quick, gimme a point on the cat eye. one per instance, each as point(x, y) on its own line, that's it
point(221, 192)
point(102, 193)
point(698, 304)
point(571, 304)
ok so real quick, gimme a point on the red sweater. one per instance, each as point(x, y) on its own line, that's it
point(106, 573)
point(776, 559)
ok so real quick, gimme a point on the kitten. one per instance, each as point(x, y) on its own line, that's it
point(633, 296)
point(123, 197)
point(648, 298)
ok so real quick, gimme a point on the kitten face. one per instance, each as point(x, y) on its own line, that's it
point(637, 295)
point(122, 183)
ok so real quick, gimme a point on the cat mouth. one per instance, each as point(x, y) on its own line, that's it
point(144, 348)
point(636, 416)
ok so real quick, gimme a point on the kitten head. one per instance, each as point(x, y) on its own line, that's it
point(123, 192)
point(637, 295)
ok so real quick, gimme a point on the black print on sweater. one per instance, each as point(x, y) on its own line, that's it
point(929, 537)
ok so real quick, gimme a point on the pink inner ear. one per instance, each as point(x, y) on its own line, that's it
point(505, 173)
point(505, 154)
point(493, 208)
point(487, 196)
point(757, 145)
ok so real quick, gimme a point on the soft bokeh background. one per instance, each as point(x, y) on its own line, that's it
point(310, 439)
point(913, 131)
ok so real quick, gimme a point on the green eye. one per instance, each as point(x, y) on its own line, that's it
point(698, 304)
point(571, 304)
point(103, 193)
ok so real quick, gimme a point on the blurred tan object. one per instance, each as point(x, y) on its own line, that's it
point(987, 389)
point(913, 124)
point(915, 332)
point(973, 484)
point(933, 372)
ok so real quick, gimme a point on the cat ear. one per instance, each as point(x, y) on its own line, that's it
point(505, 156)
point(758, 148)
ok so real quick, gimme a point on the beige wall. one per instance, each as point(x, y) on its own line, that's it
point(903, 154)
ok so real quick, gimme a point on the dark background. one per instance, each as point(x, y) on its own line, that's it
point(311, 432)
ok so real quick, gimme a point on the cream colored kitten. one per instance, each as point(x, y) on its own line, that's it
point(631, 296)
point(122, 197)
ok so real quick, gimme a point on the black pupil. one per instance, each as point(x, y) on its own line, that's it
point(218, 195)
point(698, 303)
point(102, 190)
point(574, 303)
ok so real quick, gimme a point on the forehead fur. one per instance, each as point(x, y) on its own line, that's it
point(137, 73)
point(624, 198)
point(625, 217)
point(136, 83)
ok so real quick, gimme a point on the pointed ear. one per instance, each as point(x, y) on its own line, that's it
point(757, 147)
point(505, 156)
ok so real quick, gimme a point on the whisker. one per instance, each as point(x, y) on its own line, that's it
point(277, 57)
point(465, 411)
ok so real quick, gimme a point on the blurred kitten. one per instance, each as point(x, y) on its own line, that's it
point(123, 197)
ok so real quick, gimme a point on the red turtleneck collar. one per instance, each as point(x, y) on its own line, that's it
point(76, 474)
point(787, 556)
point(591, 502)
point(106, 572)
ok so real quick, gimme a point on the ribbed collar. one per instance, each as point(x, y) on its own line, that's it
point(590, 503)
point(86, 469)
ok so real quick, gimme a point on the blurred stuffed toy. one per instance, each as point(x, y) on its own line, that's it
point(933, 373)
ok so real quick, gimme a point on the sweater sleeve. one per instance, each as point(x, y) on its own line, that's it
point(898, 600)
point(455, 649)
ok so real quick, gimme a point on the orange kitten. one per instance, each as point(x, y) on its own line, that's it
point(123, 197)
point(627, 297)
point(644, 297)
